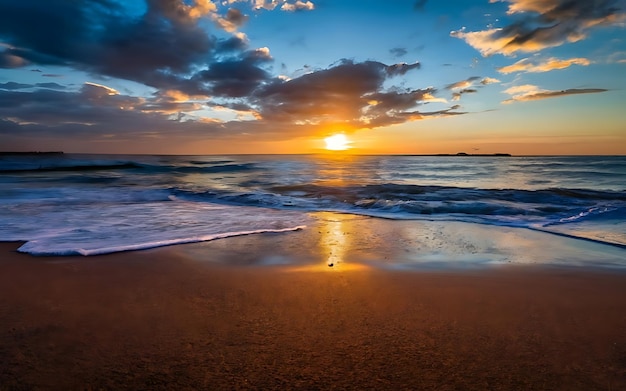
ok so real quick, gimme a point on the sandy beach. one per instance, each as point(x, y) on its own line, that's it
point(237, 314)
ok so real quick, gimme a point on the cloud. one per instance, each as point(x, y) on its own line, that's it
point(331, 94)
point(236, 77)
point(529, 92)
point(463, 83)
point(92, 108)
point(11, 85)
point(542, 24)
point(167, 47)
point(54, 86)
point(350, 94)
point(269, 5)
point(526, 65)
point(232, 21)
point(522, 89)
point(100, 89)
point(260, 4)
point(298, 6)
point(401, 68)
point(420, 4)
point(489, 80)
point(398, 52)
point(456, 96)
point(9, 60)
point(428, 97)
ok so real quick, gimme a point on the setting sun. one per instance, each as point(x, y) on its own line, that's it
point(337, 142)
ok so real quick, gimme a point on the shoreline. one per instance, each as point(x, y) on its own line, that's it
point(265, 311)
point(353, 240)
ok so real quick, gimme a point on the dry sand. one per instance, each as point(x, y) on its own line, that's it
point(165, 320)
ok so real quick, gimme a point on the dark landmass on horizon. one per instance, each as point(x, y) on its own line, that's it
point(9, 153)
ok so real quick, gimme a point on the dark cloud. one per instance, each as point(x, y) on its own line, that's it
point(161, 48)
point(398, 52)
point(232, 44)
point(168, 48)
point(420, 4)
point(9, 60)
point(236, 77)
point(544, 23)
point(236, 17)
point(334, 93)
point(401, 69)
point(92, 110)
point(532, 94)
point(54, 86)
point(348, 93)
point(95, 117)
point(11, 85)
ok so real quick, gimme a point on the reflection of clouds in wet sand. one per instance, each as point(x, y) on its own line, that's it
point(354, 242)
point(347, 242)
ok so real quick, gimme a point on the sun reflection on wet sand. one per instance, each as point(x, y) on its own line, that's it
point(333, 241)
point(335, 244)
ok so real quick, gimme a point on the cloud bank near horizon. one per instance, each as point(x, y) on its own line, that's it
point(167, 47)
point(206, 80)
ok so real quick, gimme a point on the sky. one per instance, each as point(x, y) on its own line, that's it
point(526, 77)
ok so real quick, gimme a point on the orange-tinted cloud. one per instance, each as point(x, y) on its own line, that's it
point(463, 83)
point(543, 24)
point(489, 80)
point(527, 65)
point(529, 92)
point(233, 19)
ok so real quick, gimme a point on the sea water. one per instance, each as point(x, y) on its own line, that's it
point(94, 204)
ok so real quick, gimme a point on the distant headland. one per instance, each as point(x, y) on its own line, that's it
point(31, 153)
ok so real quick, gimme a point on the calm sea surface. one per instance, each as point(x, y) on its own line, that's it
point(94, 204)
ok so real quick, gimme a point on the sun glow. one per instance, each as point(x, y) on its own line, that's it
point(337, 142)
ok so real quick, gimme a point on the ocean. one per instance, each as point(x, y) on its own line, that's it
point(78, 204)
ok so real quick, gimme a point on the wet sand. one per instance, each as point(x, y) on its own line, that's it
point(210, 317)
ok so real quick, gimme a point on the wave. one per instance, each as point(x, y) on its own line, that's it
point(117, 197)
point(219, 168)
point(418, 199)
point(504, 207)
point(44, 249)
point(103, 227)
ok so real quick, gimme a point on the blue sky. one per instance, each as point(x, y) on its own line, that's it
point(262, 76)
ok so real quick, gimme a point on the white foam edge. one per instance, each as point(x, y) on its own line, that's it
point(148, 245)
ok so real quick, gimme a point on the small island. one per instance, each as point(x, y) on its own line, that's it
point(478, 154)
point(463, 154)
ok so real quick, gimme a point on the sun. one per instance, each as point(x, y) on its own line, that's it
point(337, 142)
